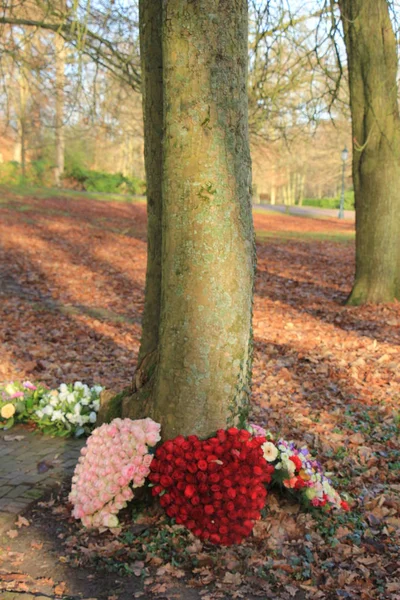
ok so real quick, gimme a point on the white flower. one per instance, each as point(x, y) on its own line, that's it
point(71, 397)
point(77, 408)
point(97, 389)
point(85, 400)
point(270, 451)
point(288, 464)
point(11, 389)
point(57, 416)
point(78, 385)
point(92, 417)
point(63, 388)
point(39, 413)
point(63, 396)
point(48, 410)
point(71, 417)
point(95, 405)
point(54, 402)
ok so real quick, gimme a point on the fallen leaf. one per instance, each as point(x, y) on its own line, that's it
point(60, 588)
point(12, 533)
point(21, 521)
point(37, 545)
point(44, 466)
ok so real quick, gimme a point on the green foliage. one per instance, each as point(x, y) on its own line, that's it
point(40, 172)
point(333, 203)
point(18, 402)
point(10, 173)
point(99, 181)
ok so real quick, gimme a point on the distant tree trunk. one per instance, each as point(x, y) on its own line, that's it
point(195, 358)
point(372, 59)
point(273, 193)
point(22, 119)
point(59, 45)
point(150, 19)
point(301, 187)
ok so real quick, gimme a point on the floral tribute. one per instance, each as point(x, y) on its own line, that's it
point(18, 402)
point(116, 459)
point(70, 410)
point(298, 471)
point(216, 487)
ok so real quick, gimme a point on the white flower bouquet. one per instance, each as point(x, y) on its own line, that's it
point(69, 410)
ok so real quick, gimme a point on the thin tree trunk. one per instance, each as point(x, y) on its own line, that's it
point(22, 118)
point(59, 46)
point(150, 12)
point(371, 50)
point(273, 193)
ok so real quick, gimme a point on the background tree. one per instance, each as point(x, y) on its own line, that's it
point(372, 63)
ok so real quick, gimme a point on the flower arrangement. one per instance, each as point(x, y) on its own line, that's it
point(116, 457)
point(297, 470)
point(18, 402)
point(216, 487)
point(70, 410)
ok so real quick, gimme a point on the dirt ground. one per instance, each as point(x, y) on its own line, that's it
point(71, 285)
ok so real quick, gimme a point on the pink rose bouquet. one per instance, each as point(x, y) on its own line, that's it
point(115, 459)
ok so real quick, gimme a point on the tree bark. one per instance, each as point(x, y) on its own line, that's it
point(59, 46)
point(204, 362)
point(195, 368)
point(150, 19)
point(372, 61)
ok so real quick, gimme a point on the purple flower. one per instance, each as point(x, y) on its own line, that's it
point(29, 386)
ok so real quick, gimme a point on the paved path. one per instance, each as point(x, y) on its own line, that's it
point(307, 211)
point(31, 464)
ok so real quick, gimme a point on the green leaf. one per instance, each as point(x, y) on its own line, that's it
point(9, 423)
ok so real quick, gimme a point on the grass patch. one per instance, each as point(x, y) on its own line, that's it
point(72, 194)
point(306, 236)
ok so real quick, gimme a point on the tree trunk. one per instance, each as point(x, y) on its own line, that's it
point(150, 12)
point(195, 368)
point(372, 59)
point(59, 46)
point(273, 193)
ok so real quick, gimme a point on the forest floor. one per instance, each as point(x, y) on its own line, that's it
point(72, 277)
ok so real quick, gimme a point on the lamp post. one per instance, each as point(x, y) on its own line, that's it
point(344, 156)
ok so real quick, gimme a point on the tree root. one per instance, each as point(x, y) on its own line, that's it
point(135, 401)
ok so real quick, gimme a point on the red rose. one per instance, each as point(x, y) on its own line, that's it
point(297, 462)
point(190, 490)
point(202, 464)
point(300, 483)
point(166, 481)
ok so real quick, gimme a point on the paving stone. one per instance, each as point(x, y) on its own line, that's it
point(20, 483)
point(33, 494)
point(17, 491)
point(4, 489)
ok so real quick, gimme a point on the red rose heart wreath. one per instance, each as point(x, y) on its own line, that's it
point(214, 487)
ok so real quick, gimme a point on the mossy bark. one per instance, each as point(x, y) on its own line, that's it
point(203, 369)
point(198, 378)
point(150, 13)
point(372, 61)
